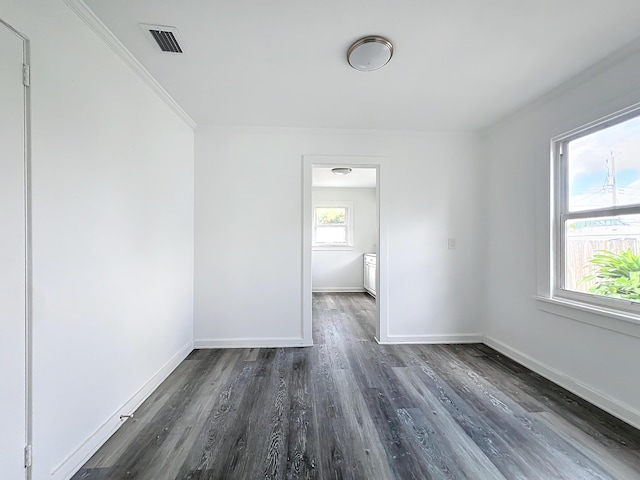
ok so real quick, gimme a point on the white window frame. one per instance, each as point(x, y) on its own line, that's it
point(349, 245)
point(560, 213)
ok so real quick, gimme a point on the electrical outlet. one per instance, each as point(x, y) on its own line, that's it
point(451, 243)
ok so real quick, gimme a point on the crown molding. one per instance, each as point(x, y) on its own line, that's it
point(589, 73)
point(90, 18)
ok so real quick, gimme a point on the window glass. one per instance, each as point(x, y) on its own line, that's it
point(602, 256)
point(331, 235)
point(604, 167)
point(330, 215)
point(331, 226)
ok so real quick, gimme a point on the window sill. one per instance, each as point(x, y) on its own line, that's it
point(333, 247)
point(609, 319)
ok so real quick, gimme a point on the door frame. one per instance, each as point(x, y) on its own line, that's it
point(28, 374)
point(354, 161)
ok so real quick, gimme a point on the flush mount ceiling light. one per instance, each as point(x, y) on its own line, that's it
point(370, 53)
point(341, 171)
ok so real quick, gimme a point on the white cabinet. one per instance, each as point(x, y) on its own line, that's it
point(369, 276)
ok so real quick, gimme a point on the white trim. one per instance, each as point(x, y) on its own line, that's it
point(382, 256)
point(28, 257)
point(28, 254)
point(252, 342)
point(431, 339)
point(334, 247)
point(607, 319)
point(624, 412)
point(350, 132)
point(366, 161)
point(78, 458)
point(611, 60)
point(601, 123)
point(95, 24)
point(306, 327)
point(338, 290)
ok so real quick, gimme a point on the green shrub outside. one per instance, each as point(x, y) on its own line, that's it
point(617, 275)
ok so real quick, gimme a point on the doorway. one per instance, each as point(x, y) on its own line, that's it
point(14, 256)
point(334, 240)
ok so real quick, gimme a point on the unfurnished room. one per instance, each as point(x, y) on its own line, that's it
point(320, 240)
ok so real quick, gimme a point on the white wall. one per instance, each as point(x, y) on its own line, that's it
point(112, 235)
point(342, 270)
point(600, 364)
point(248, 268)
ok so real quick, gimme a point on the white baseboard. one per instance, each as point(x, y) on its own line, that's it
point(426, 339)
point(338, 289)
point(78, 458)
point(251, 342)
point(624, 412)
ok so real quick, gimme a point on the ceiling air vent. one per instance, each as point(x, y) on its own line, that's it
point(164, 39)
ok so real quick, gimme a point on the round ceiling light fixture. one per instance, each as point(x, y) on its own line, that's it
point(370, 53)
point(341, 171)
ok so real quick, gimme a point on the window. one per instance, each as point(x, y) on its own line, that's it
point(597, 214)
point(332, 225)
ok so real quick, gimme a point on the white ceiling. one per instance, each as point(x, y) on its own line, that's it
point(358, 178)
point(457, 64)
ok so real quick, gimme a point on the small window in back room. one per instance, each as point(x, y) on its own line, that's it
point(332, 225)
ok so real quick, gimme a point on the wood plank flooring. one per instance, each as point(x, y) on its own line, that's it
point(349, 408)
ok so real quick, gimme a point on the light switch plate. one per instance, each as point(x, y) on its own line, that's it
point(451, 243)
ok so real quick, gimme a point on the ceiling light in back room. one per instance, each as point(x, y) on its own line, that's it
point(370, 53)
point(341, 171)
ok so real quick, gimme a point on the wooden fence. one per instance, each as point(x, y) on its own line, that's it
point(582, 249)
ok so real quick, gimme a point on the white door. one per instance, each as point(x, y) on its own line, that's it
point(12, 257)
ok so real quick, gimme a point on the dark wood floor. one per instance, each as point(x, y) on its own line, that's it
point(351, 409)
